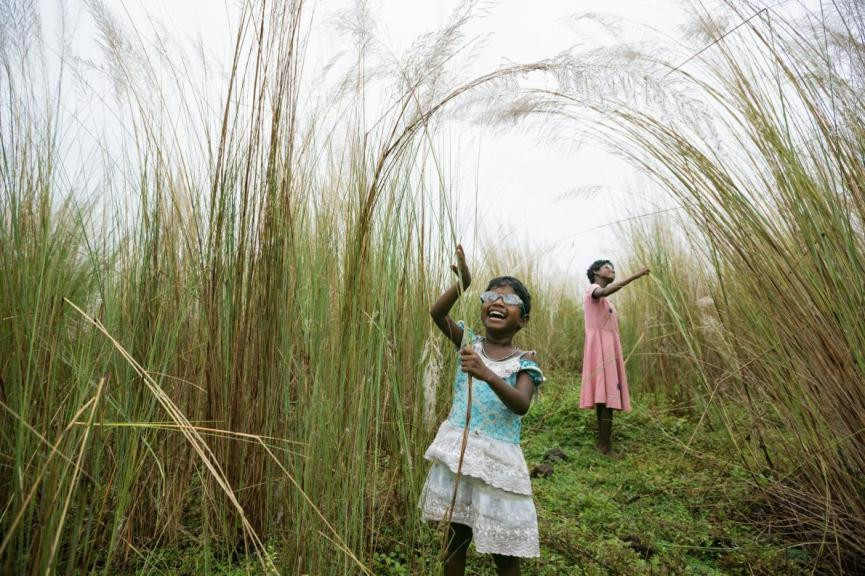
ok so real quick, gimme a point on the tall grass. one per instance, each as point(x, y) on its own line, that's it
point(231, 353)
point(662, 358)
point(753, 319)
point(767, 308)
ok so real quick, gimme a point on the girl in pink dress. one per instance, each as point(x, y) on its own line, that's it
point(604, 384)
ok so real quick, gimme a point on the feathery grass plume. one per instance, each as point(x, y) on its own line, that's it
point(431, 358)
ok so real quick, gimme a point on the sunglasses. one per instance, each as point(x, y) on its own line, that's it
point(489, 297)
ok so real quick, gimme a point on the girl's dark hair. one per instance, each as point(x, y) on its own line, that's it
point(596, 265)
point(519, 289)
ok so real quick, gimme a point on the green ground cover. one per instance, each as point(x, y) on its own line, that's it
point(669, 502)
point(662, 506)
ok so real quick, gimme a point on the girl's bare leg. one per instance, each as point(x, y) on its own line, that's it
point(459, 537)
point(605, 428)
point(507, 565)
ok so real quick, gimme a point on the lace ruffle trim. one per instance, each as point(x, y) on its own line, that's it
point(489, 537)
point(499, 464)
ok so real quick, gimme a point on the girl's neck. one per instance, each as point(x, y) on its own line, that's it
point(499, 341)
point(498, 352)
point(602, 282)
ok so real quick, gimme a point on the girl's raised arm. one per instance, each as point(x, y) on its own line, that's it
point(614, 287)
point(440, 310)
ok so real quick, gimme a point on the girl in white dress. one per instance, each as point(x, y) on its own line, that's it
point(479, 482)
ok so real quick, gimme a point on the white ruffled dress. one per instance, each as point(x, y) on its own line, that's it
point(494, 493)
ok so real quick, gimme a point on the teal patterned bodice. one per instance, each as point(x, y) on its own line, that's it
point(490, 417)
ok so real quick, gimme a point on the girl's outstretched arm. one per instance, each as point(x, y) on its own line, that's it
point(614, 287)
point(440, 310)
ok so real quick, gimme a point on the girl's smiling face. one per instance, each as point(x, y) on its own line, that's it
point(500, 317)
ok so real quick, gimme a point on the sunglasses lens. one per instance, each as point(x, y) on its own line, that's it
point(508, 299)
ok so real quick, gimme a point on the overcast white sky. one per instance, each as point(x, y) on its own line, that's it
point(521, 183)
point(524, 185)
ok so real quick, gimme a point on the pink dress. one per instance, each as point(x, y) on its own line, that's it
point(604, 380)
